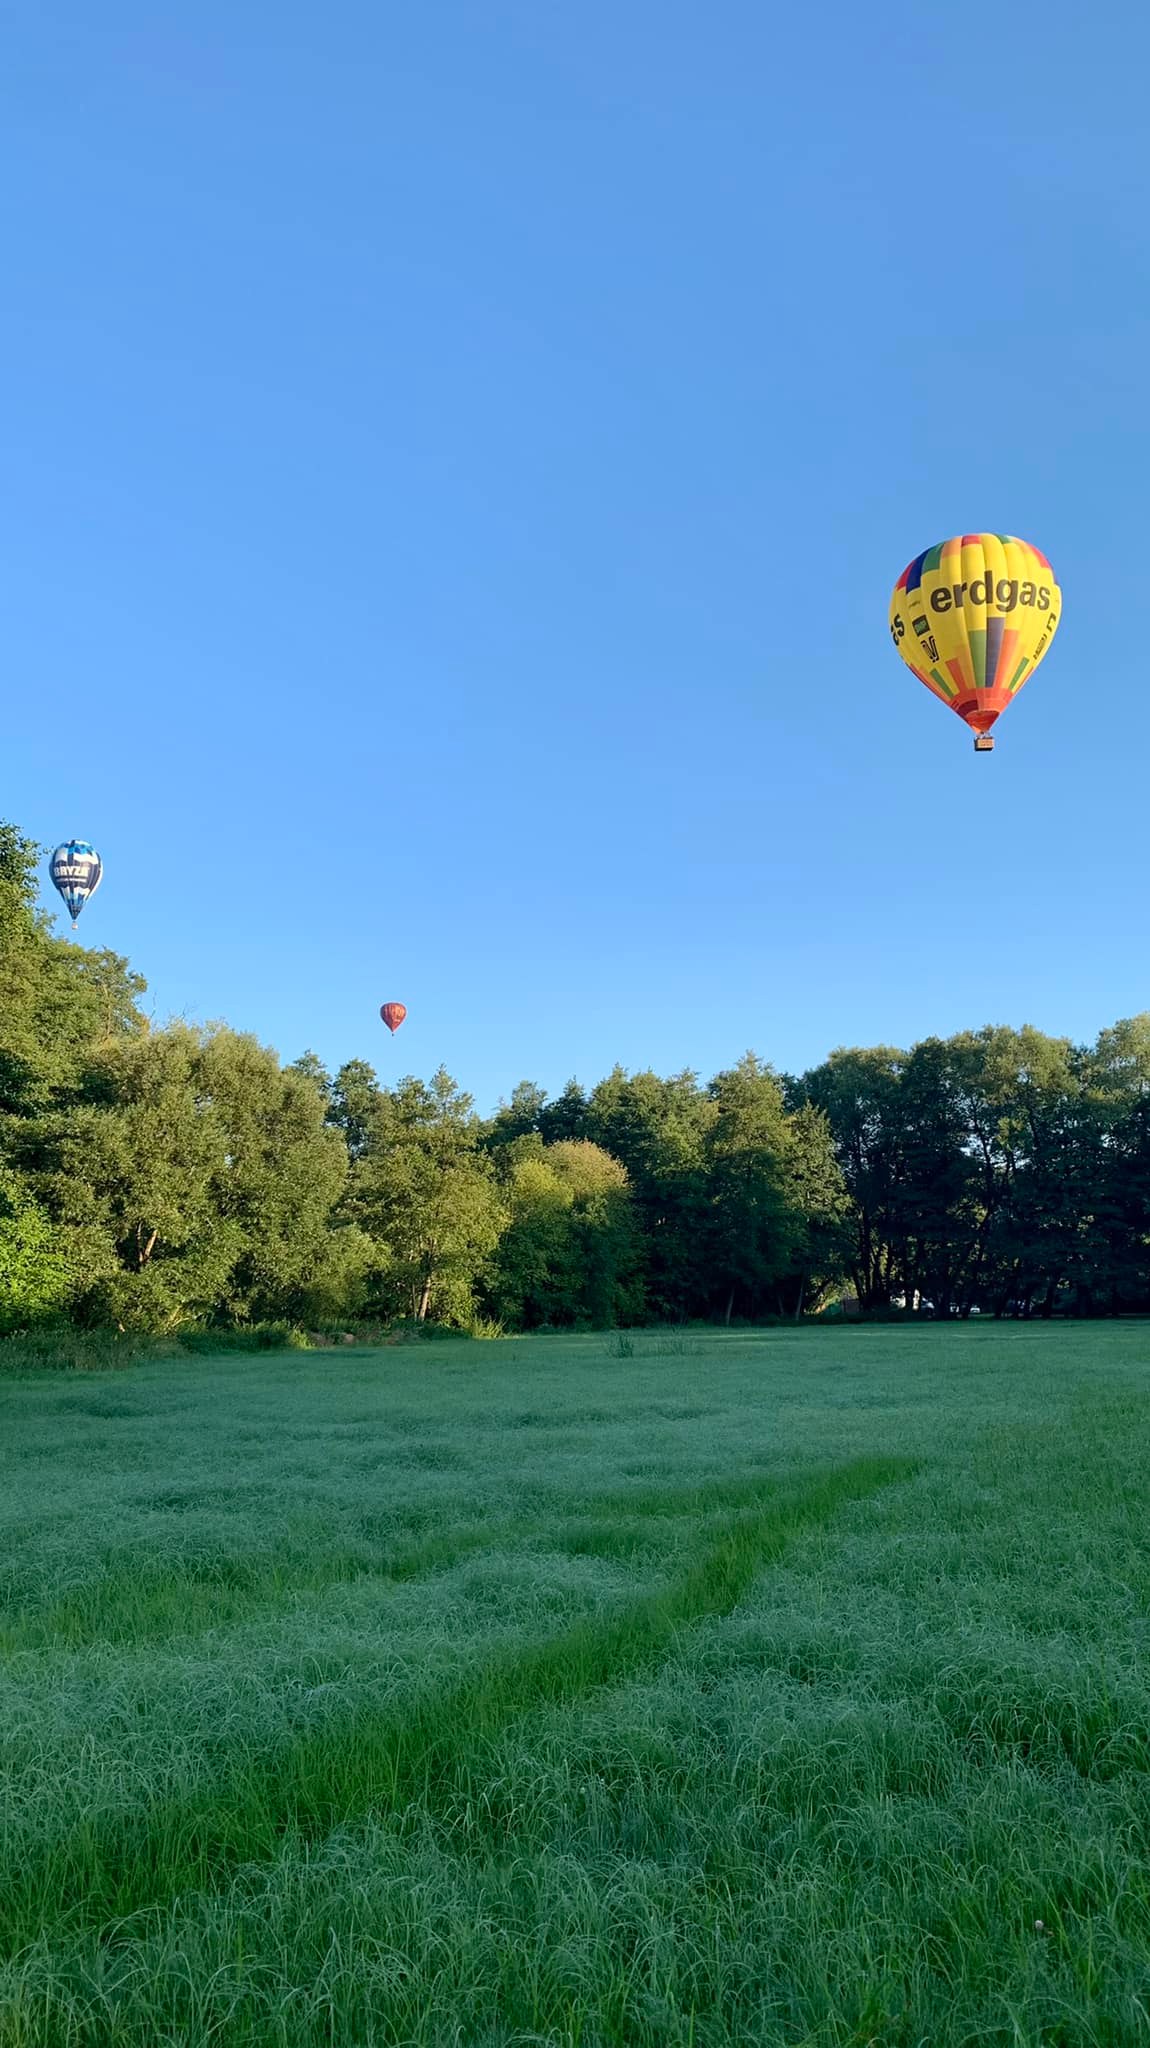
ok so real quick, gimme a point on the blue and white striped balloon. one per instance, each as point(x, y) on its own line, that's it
point(76, 869)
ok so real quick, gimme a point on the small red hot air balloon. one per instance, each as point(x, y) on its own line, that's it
point(393, 1015)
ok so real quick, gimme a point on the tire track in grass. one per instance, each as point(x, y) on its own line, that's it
point(116, 1865)
point(194, 1596)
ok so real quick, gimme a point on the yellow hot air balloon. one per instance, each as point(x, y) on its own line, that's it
point(972, 618)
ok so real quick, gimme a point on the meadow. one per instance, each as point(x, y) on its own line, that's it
point(786, 1687)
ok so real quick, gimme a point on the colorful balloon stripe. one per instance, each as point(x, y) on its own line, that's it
point(981, 609)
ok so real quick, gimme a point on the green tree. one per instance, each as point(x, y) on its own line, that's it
point(608, 1247)
point(282, 1176)
point(423, 1191)
point(754, 1236)
point(859, 1094)
point(35, 1282)
point(519, 1118)
point(311, 1067)
point(657, 1129)
point(194, 1180)
point(571, 1253)
point(131, 1176)
point(58, 1002)
point(936, 1203)
point(1044, 1145)
point(820, 1212)
point(1112, 1162)
point(356, 1106)
point(566, 1117)
point(534, 1277)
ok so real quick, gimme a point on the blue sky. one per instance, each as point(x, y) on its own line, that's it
point(457, 462)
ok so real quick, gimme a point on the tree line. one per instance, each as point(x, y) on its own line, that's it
point(158, 1178)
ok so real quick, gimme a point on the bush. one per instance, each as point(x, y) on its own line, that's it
point(674, 1345)
point(34, 1278)
point(61, 1347)
point(244, 1337)
point(409, 1330)
point(654, 1344)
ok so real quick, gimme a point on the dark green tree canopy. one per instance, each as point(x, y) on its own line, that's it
point(154, 1176)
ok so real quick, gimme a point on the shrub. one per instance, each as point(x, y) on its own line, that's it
point(34, 1278)
point(61, 1347)
point(245, 1337)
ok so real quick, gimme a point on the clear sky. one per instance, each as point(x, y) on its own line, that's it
point(457, 459)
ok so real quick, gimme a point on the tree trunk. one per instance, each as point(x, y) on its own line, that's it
point(799, 1302)
point(424, 1300)
point(730, 1306)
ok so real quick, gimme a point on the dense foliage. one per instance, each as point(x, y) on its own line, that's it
point(155, 1179)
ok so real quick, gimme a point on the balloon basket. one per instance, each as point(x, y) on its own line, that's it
point(983, 743)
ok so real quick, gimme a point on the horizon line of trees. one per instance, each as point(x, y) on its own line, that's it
point(156, 1178)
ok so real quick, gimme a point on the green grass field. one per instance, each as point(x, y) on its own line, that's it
point(788, 1688)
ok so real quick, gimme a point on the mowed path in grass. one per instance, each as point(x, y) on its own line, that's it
point(781, 1688)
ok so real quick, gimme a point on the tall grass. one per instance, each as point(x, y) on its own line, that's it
point(376, 1764)
point(59, 1347)
point(779, 1691)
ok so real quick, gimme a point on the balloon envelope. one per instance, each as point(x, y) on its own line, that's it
point(76, 870)
point(972, 618)
point(393, 1015)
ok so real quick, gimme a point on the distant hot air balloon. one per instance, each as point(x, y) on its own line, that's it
point(972, 618)
point(76, 869)
point(393, 1015)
